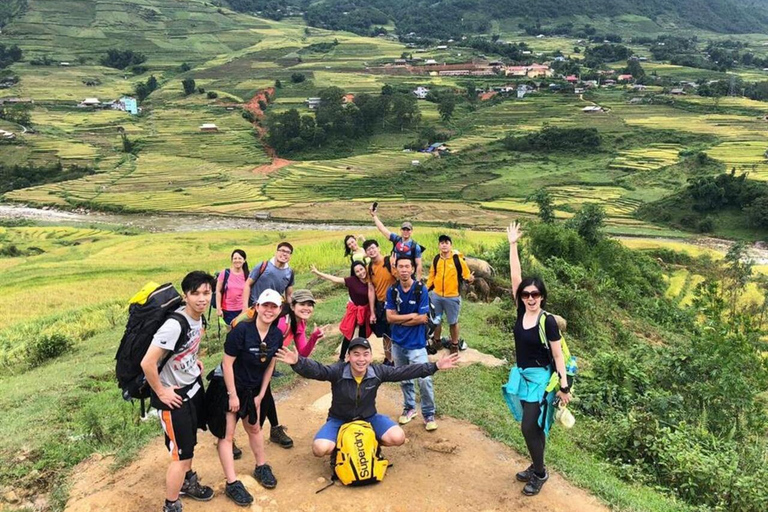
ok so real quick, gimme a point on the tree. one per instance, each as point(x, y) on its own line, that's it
point(297, 78)
point(445, 106)
point(212, 95)
point(757, 213)
point(152, 83)
point(278, 84)
point(184, 67)
point(546, 206)
point(471, 92)
point(189, 86)
point(405, 110)
point(588, 222)
point(20, 113)
point(635, 69)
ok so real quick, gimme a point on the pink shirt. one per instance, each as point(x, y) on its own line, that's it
point(233, 297)
point(303, 345)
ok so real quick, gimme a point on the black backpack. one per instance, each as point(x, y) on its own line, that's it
point(459, 270)
point(143, 322)
point(223, 289)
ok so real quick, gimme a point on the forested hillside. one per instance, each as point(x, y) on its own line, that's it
point(451, 18)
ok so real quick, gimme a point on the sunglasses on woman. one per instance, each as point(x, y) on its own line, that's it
point(530, 295)
point(263, 352)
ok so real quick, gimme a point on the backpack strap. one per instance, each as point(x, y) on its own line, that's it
point(433, 270)
point(262, 269)
point(459, 271)
point(185, 328)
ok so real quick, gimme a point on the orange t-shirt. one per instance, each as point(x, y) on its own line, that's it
point(382, 279)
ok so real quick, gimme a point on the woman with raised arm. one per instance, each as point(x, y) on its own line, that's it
point(358, 313)
point(353, 249)
point(530, 392)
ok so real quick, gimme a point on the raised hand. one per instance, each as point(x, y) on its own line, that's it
point(448, 362)
point(514, 233)
point(287, 356)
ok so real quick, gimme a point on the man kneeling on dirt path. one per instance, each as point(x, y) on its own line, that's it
point(354, 385)
point(446, 275)
point(177, 389)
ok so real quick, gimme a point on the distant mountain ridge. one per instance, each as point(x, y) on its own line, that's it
point(444, 18)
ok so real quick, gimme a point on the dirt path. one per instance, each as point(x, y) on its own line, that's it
point(454, 468)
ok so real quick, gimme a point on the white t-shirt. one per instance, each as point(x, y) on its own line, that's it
point(181, 369)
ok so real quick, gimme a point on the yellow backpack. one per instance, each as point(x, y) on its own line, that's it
point(358, 459)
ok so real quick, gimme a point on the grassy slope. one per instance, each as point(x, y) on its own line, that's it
point(75, 396)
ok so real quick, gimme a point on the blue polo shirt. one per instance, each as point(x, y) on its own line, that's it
point(409, 337)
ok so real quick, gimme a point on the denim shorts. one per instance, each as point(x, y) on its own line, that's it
point(450, 305)
point(330, 431)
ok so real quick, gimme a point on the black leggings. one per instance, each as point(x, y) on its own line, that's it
point(345, 343)
point(268, 408)
point(534, 434)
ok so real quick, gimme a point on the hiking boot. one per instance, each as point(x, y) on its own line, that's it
point(277, 435)
point(525, 475)
point(263, 475)
point(429, 423)
point(407, 416)
point(173, 507)
point(454, 348)
point(237, 492)
point(276, 374)
point(192, 489)
point(237, 453)
point(535, 484)
point(463, 344)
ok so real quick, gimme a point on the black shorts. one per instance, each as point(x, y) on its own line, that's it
point(381, 327)
point(180, 426)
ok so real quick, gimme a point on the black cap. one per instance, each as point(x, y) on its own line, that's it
point(444, 238)
point(359, 342)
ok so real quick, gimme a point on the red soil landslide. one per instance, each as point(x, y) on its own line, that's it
point(253, 106)
point(456, 468)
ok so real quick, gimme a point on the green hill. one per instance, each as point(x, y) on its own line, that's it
point(451, 18)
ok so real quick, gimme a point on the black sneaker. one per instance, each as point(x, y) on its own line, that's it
point(277, 435)
point(192, 488)
point(525, 475)
point(535, 484)
point(237, 492)
point(173, 507)
point(237, 453)
point(263, 475)
point(276, 374)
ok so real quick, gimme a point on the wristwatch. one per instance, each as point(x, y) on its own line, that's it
point(566, 389)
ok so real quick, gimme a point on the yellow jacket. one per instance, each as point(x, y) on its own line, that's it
point(443, 277)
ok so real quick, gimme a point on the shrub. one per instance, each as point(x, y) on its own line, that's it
point(212, 95)
point(48, 346)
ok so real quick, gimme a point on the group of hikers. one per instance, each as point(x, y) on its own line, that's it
point(265, 316)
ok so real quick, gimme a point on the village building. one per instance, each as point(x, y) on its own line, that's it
point(421, 92)
point(90, 102)
point(4, 135)
point(312, 103)
point(677, 92)
point(625, 78)
point(592, 109)
point(572, 79)
point(532, 71)
point(127, 104)
point(209, 127)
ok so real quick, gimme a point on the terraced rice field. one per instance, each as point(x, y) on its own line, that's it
point(745, 156)
point(649, 158)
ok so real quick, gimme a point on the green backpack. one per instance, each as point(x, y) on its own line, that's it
point(571, 368)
